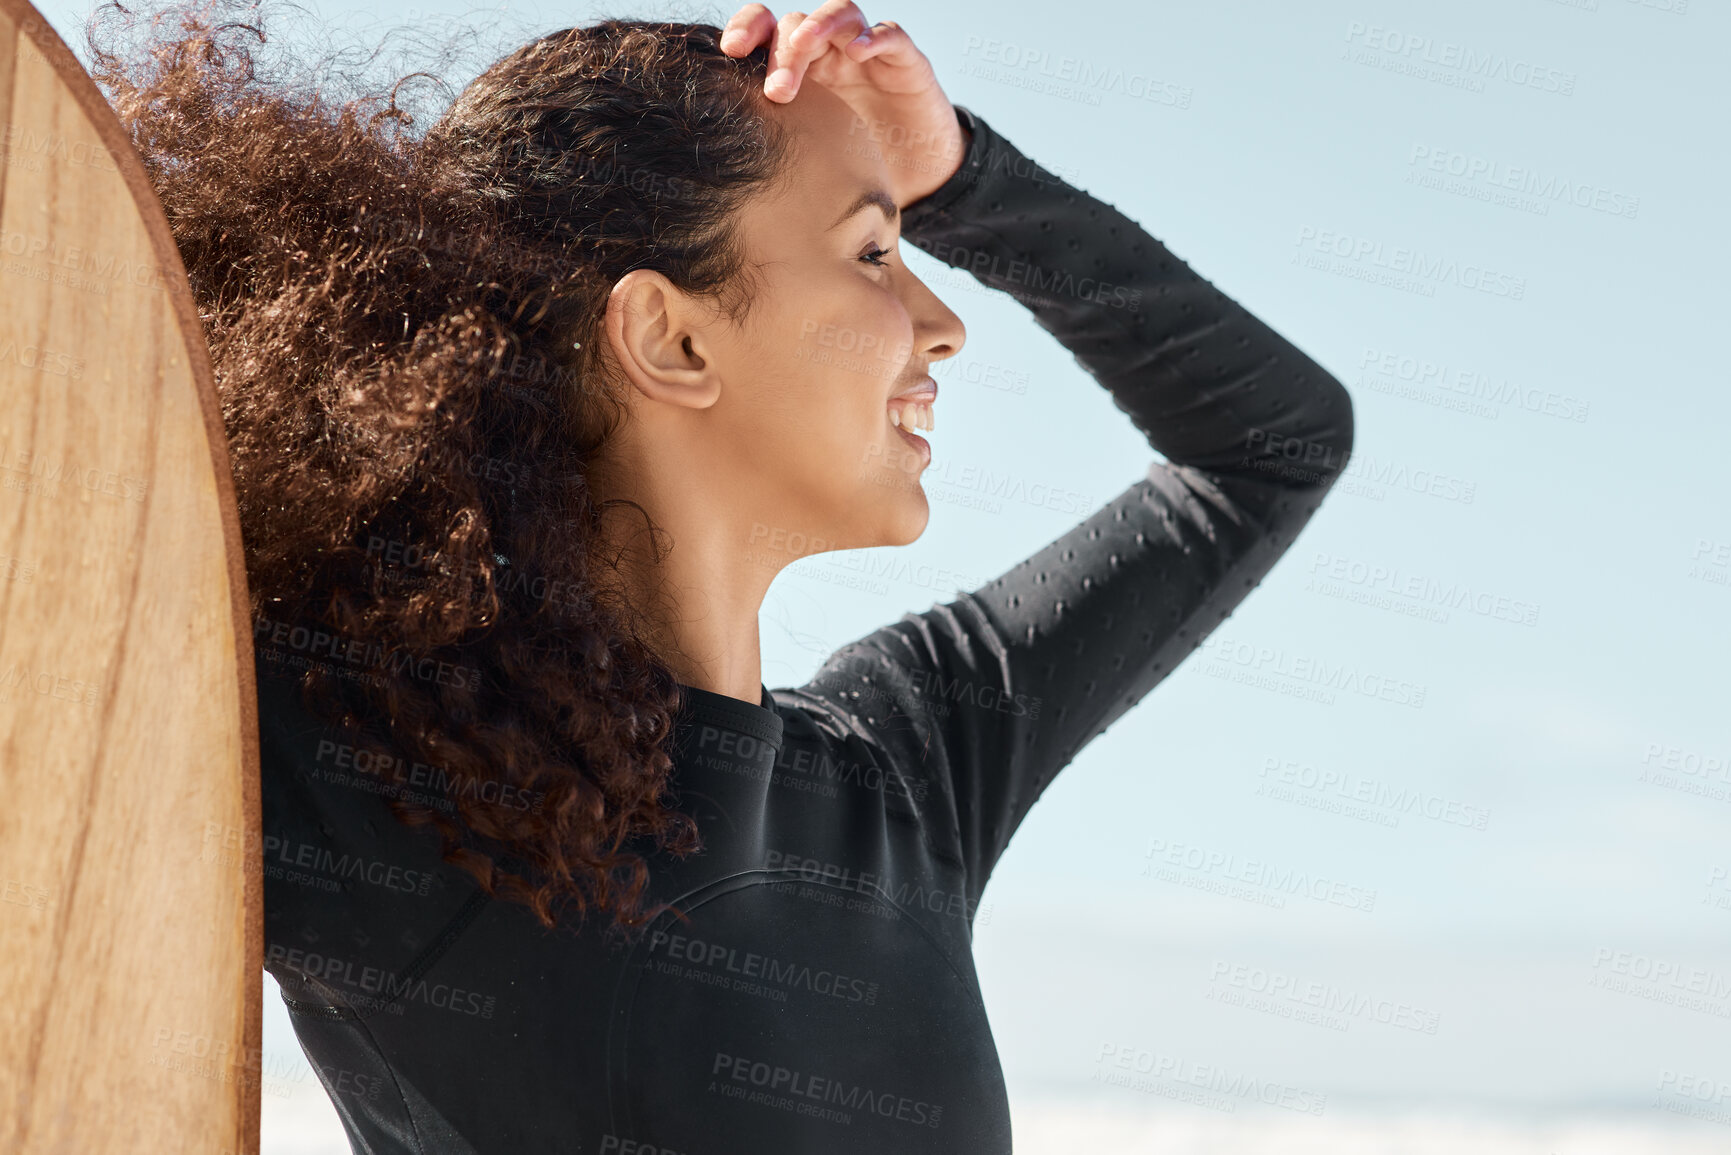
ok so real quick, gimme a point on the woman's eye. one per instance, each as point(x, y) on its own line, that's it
point(873, 257)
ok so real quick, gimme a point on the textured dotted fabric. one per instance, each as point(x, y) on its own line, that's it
point(1253, 431)
point(815, 990)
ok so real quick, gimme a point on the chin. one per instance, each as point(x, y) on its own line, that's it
point(914, 512)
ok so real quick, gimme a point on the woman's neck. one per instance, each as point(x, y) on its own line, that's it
point(697, 606)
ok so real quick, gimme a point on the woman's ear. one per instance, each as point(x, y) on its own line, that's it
point(659, 338)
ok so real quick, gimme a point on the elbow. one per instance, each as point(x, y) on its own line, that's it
point(1319, 455)
point(1339, 405)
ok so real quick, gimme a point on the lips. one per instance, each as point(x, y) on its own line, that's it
point(927, 388)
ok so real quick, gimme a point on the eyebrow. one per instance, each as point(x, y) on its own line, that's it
point(865, 200)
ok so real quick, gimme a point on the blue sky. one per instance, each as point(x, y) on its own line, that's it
point(1541, 423)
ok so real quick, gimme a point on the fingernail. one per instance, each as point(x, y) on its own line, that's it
point(781, 78)
point(863, 38)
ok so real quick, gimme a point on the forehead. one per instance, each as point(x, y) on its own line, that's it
point(831, 160)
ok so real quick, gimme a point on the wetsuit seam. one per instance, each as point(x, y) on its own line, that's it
point(435, 950)
point(396, 1086)
point(343, 1011)
point(760, 730)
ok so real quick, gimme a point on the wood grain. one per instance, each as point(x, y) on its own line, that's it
point(131, 928)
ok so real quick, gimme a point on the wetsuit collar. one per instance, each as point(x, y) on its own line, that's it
point(760, 721)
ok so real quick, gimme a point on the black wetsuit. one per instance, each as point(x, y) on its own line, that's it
point(820, 996)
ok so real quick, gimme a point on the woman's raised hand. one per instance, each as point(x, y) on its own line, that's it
point(899, 107)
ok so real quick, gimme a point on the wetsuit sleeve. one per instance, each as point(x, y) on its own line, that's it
point(990, 695)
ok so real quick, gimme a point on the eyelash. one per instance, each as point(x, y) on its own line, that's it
point(872, 258)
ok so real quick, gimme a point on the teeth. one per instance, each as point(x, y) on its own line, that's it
point(914, 415)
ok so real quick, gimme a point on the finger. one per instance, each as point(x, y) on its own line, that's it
point(885, 39)
point(834, 24)
point(747, 29)
point(779, 84)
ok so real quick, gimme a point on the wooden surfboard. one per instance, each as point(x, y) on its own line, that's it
point(131, 923)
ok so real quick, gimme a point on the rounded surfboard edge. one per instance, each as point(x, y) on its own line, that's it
point(131, 915)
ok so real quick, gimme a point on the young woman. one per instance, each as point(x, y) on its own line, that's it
point(527, 410)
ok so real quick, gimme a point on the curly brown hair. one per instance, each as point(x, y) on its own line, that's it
point(406, 329)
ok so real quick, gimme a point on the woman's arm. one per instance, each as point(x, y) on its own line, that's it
point(995, 692)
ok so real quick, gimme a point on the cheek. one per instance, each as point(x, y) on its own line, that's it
point(865, 348)
point(838, 351)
